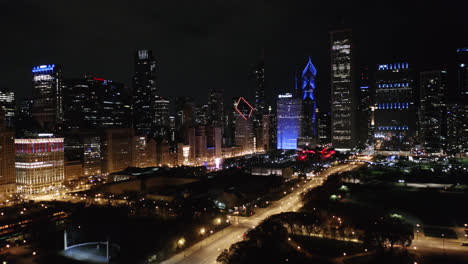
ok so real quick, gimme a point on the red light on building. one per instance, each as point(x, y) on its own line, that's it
point(98, 79)
point(237, 108)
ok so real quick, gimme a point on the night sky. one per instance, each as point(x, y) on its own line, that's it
point(215, 44)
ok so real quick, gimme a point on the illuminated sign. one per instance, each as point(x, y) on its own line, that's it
point(245, 102)
point(42, 68)
point(287, 95)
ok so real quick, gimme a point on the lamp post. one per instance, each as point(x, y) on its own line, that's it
point(443, 243)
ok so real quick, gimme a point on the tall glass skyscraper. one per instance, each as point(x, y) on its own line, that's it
point(47, 96)
point(144, 92)
point(309, 100)
point(395, 109)
point(289, 111)
point(343, 105)
point(433, 110)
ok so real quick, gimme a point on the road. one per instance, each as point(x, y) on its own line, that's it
point(206, 251)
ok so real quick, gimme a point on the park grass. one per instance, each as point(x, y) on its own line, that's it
point(438, 231)
point(327, 247)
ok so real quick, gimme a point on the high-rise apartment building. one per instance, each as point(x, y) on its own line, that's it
point(343, 105)
point(324, 128)
point(39, 165)
point(47, 106)
point(395, 109)
point(457, 128)
point(144, 92)
point(433, 110)
point(289, 111)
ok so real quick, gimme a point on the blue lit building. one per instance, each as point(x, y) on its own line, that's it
point(289, 111)
point(47, 108)
point(394, 109)
point(307, 93)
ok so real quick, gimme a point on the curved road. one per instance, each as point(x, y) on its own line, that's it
point(207, 250)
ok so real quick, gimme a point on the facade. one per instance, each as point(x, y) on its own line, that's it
point(260, 104)
point(343, 105)
point(39, 164)
point(161, 118)
point(116, 149)
point(92, 102)
point(8, 107)
point(364, 113)
point(289, 110)
point(308, 119)
point(7, 161)
point(144, 153)
point(47, 106)
point(462, 72)
point(457, 128)
point(395, 109)
point(215, 107)
point(324, 128)
point(433, 110)
point(144, 92)
point(214, 140)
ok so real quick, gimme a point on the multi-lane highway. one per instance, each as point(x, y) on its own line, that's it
point(206, 251)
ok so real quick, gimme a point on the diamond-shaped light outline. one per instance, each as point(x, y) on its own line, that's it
point(251, 108)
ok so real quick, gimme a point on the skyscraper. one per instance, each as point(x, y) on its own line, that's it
point(260, 107)
point(433, 110)
point(215, 108)
point(161, 118)
point(8, 106)
point(47, 106)
point(289, 111)
point(144, 92)
point(395, 109)
point(307, 93)
point(462, 72)
point(343, 104)
point(364, 113)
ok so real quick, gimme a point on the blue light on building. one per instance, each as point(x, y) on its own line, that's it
point(289, 109)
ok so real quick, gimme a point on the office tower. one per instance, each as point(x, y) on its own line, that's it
point(433, 111)
point(92, 102)
point(8, 107)
point(215, 108)
point(307, 93)
point(260, 104)
point(201, 115)
point(364, 113)
point(265, 131)
point(343, 104)
point(273, 131)
point(244, 134)
point(81, 102)
point(289, 110)
point(92, 156)
point(184, 113)
point(324, 128)
point(161, 118)
point(144, 92)
point(84, 146)
point(25, 124)
point(457, 128)
point(462, 72)
point(395, 110)
point(200, 143)
point(39, 165)
point(47, 106)
point(112, 113)
point(7, 159)
point(214, 140)
point(116, 149)
point(144, 152)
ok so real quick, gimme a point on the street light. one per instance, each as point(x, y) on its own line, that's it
point(202, 231)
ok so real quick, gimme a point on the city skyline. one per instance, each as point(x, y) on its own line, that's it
point(202, 43)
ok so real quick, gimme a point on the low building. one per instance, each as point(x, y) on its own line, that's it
point(39, 164)
point(280, 170)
